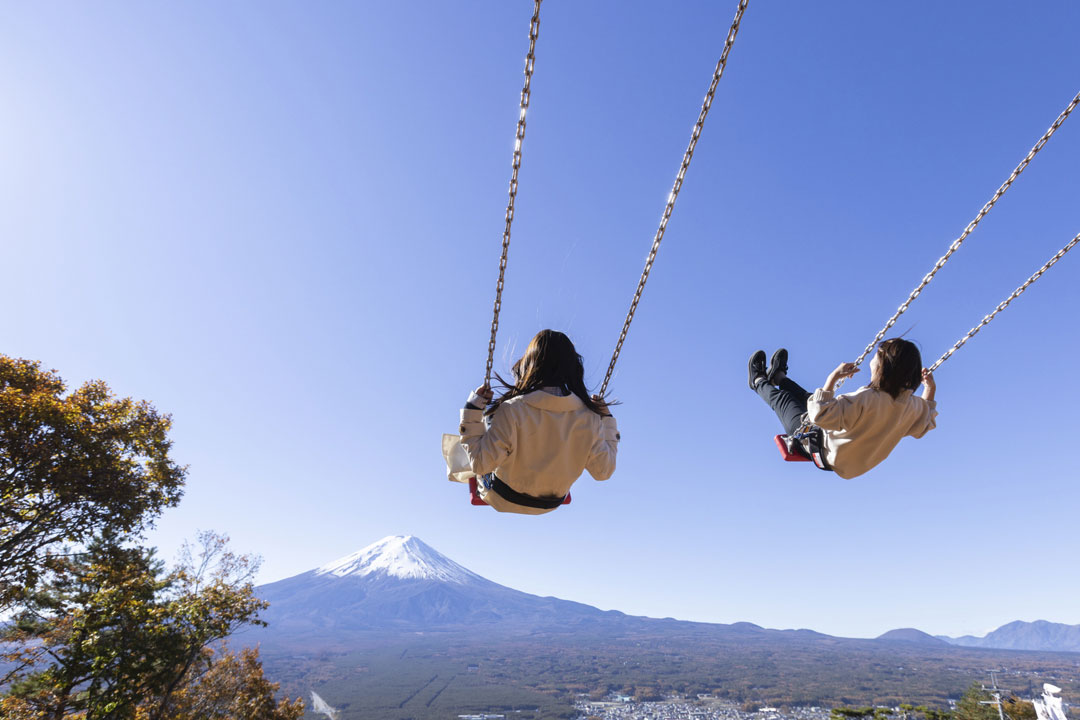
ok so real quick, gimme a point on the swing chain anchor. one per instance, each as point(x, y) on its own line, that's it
point(963, 236)
point(673, 196)
point(519, 138)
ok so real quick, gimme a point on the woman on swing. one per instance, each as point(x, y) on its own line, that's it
point(859, 429)
point(539, 435)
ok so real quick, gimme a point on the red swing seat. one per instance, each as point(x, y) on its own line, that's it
point(475, 498)
point(790, 454)
point(793, 450)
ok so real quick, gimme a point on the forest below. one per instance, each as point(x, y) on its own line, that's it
point(428, 675)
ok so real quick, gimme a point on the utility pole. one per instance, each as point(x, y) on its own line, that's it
point(995, 693)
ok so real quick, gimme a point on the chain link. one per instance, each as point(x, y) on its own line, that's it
point(967, 231)
point(673, 196)
point(1005, 303)
point(986, 320)
point(519, 137)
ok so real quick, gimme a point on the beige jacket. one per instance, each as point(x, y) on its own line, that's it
point(863, 427)
point(538, 444)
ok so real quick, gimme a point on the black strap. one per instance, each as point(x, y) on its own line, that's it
point(511, 495)
point(813, 445)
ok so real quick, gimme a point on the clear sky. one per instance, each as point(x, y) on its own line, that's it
point(280, 222)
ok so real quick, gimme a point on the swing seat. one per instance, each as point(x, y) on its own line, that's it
point(475, 499)
point(793, 450)
point(474, 495)
point(790, 450)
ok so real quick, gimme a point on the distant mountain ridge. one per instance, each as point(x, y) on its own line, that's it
point(402, 584)
point(913, 636)
point(1039, 635)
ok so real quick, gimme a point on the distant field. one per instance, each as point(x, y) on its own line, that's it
point(428, 681)
point(538, 676)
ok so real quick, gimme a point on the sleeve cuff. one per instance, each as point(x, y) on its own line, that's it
point(471, 429)
point(472, 416)
point(472, 423)
point(475, 402)
point(611, 429)
point(822, 395)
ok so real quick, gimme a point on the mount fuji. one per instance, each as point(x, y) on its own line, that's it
point(401, 583)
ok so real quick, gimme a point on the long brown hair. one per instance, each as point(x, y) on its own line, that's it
point(899, 367)
point(550, 360)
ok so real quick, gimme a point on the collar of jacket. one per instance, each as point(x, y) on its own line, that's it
point(552, 403)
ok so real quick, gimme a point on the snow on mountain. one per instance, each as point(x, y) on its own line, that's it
point(399, 556)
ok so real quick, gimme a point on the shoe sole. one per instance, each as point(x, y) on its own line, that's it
point(777, 364)
point(759, 357)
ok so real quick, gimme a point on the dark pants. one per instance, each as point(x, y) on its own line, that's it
point(788, 402)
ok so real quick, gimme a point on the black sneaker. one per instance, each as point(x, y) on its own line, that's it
point(758, 371)
point(777, 367)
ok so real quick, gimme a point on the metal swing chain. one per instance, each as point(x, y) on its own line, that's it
point(1005, 303)
point(967, 231)
point(530, 61)
point(986, 320)
point(807, 425)
point(687, 156)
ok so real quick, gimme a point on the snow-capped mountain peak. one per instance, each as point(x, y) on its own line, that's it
point(399, 556)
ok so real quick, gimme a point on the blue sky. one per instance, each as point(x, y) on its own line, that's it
point(280, 222)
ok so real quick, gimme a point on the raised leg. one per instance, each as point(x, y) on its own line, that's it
point(795, 389)
point(788, 401)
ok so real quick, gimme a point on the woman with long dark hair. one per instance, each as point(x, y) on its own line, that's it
point(861, 428)
point(528, 446)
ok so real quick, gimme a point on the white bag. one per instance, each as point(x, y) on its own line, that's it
point(458, 468)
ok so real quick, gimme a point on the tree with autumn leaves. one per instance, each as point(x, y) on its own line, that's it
point(974, 704)
point(73, 465)
point(96, 626)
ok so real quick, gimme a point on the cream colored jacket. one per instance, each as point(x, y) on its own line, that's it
point(538, 444)
point(863, 427)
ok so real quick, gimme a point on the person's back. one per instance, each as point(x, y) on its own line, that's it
point(542, 443)
point(860, 429)
point(528, 447)
point(863, 427)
